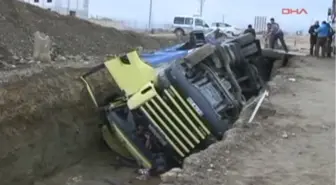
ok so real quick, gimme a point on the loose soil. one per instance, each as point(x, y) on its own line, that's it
point(70, 35)
point(48, 123)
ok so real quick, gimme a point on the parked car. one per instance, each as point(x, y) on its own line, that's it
point(227, 28)
point(183, 25)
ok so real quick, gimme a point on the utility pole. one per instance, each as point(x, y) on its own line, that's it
point(86, 8)
point(150, 14)
point(223, 18)
point(201, 7)
point(68, 7)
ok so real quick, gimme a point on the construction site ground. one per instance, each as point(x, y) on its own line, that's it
point(49, 133)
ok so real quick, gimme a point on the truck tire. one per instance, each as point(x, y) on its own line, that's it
point(224, 54)
point(179, 32)
point(230, 33)
point(244, 39)
point(235, 49)
point(199, 54)
point(249, 50)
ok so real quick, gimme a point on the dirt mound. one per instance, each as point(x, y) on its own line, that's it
point(70, 35)
point(47, 123)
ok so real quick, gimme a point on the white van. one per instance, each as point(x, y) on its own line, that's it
point(183, 25)
point(227, 28)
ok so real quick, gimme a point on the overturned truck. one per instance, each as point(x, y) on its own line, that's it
point(158, 117)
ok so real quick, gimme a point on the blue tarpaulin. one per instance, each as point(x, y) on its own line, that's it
point(164, 56)
point(158, 58)
point(170, 54)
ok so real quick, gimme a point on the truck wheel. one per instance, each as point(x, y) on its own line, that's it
point(230, 33)
point(179, 32)
point(249, 50)
point(244, 40)
point(199, 55)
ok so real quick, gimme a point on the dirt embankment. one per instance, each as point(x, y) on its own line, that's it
point(47, 123)
point(47, 120)
point(70, 35)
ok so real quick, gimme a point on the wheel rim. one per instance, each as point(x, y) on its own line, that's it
point(178, 32)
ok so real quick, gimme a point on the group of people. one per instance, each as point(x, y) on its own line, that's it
point(321, 37)
point(273, 34)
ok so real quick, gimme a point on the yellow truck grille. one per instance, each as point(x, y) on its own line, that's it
point(176, 120)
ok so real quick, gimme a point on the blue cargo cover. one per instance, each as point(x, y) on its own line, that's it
point(164, 56)
point(175, 52)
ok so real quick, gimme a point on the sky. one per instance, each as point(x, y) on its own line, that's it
point(236, 12)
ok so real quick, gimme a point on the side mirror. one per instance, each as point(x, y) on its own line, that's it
point(206, 25)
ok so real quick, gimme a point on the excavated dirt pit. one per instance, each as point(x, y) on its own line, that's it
point(48, 124)
point(49, 132)
point(45, 125)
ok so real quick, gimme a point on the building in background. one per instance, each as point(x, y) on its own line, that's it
point(79, 8)
point(260, 24)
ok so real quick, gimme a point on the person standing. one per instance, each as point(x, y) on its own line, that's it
point(218, 32)
point(250, 30)
point(322, 36)
point(266, 35)
point(329, 40)
point(275, 34)
point(313, 37)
